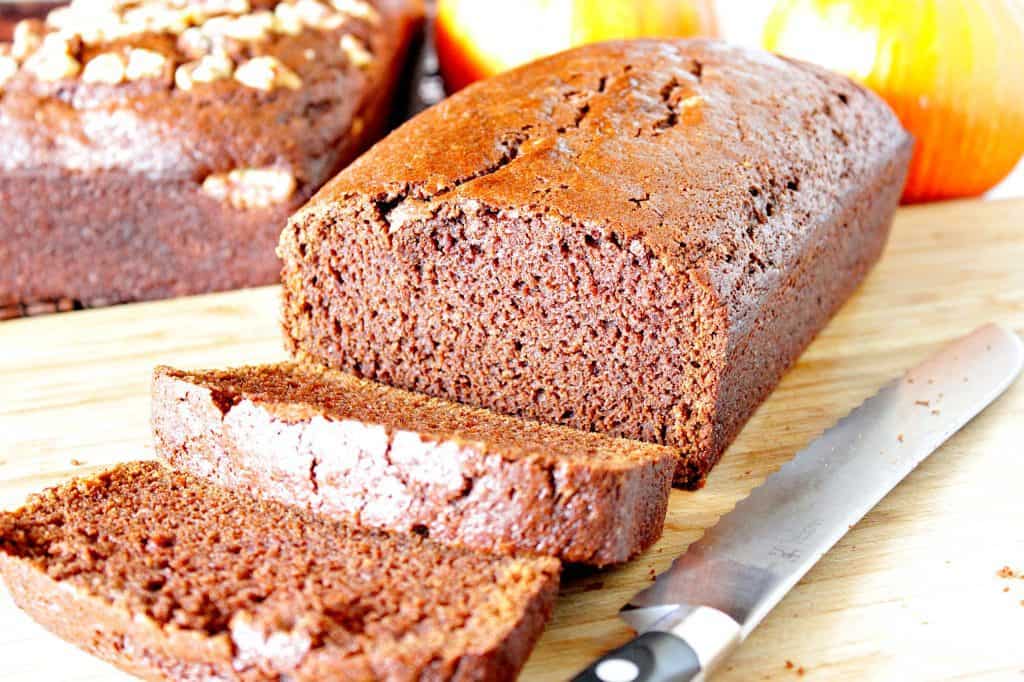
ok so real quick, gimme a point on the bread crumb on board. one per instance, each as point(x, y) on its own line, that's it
point(799, 670)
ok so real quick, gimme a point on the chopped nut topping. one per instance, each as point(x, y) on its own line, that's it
point(156, 19)
point(105, 68)
point(53, 61)
point(8, 67)
point(102, 5)
point(28, 36)
point(212, 7)
point(194, 43)
point(57, 43)
point(287, 19)
point(144, 64)
point(91, 25)
point(249, 27)
point(357, 9)
point(52, 66)
point(246, 188)
point(316, 15)
point(267, 73)
point(252, 27)
point(220, 29)
point(217, 28)
point(355, 51)
point(207, 70)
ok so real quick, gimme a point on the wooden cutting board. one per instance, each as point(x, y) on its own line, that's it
point(912, 592)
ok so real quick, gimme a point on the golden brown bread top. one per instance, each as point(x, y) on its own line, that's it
point(720, 160)
point(187, 88)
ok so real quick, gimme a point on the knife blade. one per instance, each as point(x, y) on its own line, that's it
point(718, 591)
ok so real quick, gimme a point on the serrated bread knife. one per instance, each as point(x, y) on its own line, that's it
point(717, 592)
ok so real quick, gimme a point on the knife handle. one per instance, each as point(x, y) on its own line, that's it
point(684, 644)
point(652, 657)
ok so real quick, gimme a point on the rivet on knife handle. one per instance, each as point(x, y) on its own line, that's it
point(681, 645)
point(652, 657)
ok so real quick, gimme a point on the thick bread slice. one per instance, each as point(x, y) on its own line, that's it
point(381, 457)
point(169, 577)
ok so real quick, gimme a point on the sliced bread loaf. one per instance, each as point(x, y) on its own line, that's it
point(381, 457)
point(633, 237)
point(169, 577)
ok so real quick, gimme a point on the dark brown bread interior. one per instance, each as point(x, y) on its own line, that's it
point(636, 238)
point(171, 578)
point(101, 185)
point(382, 457)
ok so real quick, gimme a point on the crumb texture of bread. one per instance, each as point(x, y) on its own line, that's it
point(169, 577)
point(634, 237)
point(375, 456)
point(165, 155)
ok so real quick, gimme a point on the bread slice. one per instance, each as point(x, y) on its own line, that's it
point(169, 577)
point(632, 237)
point(381, 457)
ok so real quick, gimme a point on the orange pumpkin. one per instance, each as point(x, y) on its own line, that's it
point(479, 38)
point(953, 70)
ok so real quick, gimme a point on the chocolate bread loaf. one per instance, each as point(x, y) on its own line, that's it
point(168, 577)
point(156, 148)
point(382, 457)
point(636, 238)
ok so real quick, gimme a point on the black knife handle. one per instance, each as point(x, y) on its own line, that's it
point(652, 657)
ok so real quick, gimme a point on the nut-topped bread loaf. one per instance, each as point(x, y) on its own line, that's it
point(171, 578)
point(633, 237)
point(381, 457)
point(154, 148)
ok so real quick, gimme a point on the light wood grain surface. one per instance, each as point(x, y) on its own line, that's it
point(912, 593)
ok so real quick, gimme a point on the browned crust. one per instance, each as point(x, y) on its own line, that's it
point(506, 661)
point(820, 283)
point(484, 494)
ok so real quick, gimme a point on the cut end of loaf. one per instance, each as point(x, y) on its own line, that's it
point(524, 313)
